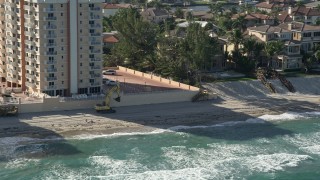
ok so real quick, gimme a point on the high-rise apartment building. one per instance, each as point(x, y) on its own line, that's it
point(51, 46)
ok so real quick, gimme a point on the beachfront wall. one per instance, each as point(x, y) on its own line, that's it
point(159, 79)
point(55, 103)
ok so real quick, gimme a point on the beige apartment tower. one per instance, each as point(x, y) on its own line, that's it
point(51, 46)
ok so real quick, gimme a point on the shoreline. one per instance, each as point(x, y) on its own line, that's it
point(146, 118)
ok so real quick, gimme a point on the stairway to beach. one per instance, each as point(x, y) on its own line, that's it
point(280, 88)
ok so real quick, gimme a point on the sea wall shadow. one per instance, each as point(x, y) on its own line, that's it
point(21, 140)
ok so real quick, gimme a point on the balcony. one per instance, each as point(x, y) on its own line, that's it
point(29, 16)
point(95, 84)
point(95, 34)
point(95, 59)
point(51, 70)
point(51, 27)
point(49, 9)
point(92, 76)
point(29, 8)
point(50, 87)
point(94, 17)
point(95, 67)
point(31, 51)
point(30, 68)
point(50, 45)
point(95, 43)
point(50, 36)
point(29, 24)
point(51, 78)
point(31, 85)
point(94, 25)
point(13, 71)
point(32, 43)
point(96, 51)
point(50, 18)
point(51, 62)
point(31, 76)
point(12, 79)
point(11, 13)
point(94, 8)
point(50, 53)
point(30, 33)
point(12, 38)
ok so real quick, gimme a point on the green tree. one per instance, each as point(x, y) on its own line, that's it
point(179, 13)
point(216, 8)
point(189, 16)
point(240, 23)
point(107, 24)
point(235, 37)
point(273, 48)
point(138, 40)
point(299, 4)
point(199, 47)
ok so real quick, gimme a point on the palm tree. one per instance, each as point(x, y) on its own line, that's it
point(216, 8)
point(235, 37)
point(240, 23)
point(252, 48)
point(299, 4)
point(273, 48)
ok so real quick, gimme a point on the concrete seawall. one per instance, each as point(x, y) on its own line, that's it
point(246, 89)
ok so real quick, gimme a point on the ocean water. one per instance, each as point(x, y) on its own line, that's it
point(285, 146)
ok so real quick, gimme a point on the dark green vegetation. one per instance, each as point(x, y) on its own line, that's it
point(184, 53)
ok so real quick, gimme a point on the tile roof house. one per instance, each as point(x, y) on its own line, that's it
point(155, 15)
point(296, 35)
point(111, 9)
point(253, 19)
point(304, 14)
point(268, 6)
point(109, 39)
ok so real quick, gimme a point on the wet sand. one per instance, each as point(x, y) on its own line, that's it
point(149, 117)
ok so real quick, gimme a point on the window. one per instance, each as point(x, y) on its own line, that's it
point(316, 34)
point(61, 5)
point(61, 14)
point(307, 34)
point(80, 64)
point(81, 14)
point(62, 82)
point(51, 83)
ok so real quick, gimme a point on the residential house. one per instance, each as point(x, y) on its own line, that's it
point(155, 15)
point(302, 14)
point(290, 58)
point(253, 19)
point(112, 9)
point(312, 5)
point(308, 35)
point(297, 36)
point(268, 6)
point(109, 39)
point(268, 33)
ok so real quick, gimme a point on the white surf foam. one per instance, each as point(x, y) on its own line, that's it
point(306, 142)
point(94, 136)
point(21, 162)
point(274, 162)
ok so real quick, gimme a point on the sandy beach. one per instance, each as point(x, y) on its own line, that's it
point(143, 118)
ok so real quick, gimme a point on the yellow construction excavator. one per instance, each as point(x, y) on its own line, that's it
point(105, 106)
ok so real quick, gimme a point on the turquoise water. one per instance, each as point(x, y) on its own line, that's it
point(286, 146)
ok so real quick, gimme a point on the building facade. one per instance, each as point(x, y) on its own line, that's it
point(52, 46)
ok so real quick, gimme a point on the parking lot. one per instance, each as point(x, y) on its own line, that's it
point(130, 83)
